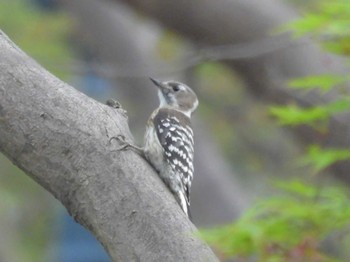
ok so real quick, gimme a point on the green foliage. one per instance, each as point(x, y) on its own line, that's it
point(25, 225)
point(42, 35)
point(297, 115)
point(322, 82)
point(295, 224)
point(329, 24)
point(322, 158)
point(290, 227)
point(309, 23)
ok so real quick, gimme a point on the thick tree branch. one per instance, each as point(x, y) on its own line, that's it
point(62, 139)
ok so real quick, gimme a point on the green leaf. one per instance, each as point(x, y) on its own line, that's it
point(309, 23)
point(323, 82)
point(338, 46)
point(323, 158)
point(338, 8)
point(338, 106)
point(298, 187)
point(295, 115)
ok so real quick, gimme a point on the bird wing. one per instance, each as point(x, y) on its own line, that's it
point(175, 134)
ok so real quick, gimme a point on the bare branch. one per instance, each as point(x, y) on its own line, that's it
point(62, 139)
point(190, 59)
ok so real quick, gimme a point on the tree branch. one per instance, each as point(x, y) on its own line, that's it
point(62, 139)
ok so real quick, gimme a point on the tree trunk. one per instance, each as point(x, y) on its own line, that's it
point(62, 139)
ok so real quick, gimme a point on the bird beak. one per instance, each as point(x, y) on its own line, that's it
point(162, 87)
point(156, 82)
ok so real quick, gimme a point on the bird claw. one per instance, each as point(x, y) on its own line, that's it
point(121, 139)
point(125, 145)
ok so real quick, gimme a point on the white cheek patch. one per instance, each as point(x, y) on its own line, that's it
point(162, 99)
point(182, 87)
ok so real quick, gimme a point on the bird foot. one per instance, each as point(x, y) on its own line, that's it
point(126, 145)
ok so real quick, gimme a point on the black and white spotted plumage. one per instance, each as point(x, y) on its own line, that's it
point(169, 144)
point(176, 137)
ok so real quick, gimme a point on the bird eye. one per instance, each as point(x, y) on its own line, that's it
point(176, 88)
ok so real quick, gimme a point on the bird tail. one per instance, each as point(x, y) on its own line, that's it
point(184, 204)
point(189, 212)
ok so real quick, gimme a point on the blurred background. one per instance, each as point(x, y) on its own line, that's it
point(235, 56)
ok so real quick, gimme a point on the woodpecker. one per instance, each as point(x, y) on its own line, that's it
point(168, 141)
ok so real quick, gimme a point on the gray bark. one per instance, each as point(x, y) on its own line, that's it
point(62, 139)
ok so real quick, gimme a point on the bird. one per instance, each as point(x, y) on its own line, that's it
point(169, 140)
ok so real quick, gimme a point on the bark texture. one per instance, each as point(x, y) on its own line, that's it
point(62, 139)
